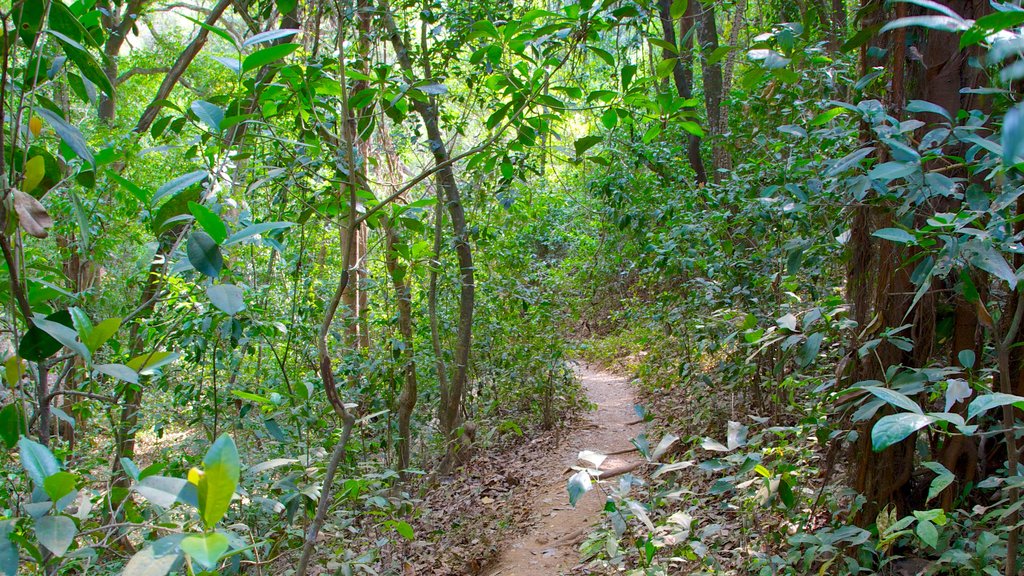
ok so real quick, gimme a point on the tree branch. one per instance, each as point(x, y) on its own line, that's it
point(138, 70)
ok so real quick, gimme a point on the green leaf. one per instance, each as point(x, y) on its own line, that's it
point(140, 193)
point(894, 398)
point(146, 364)
point(990, 260)
point(165, 491)
point(178, 184)
point(59, 485)
point(254, 229)
point(586, 143)
point(927, 532)
point(85, 62)
point(602, 54)
point(271, 35)
point(942, 23)
point(100, 333)
point(809, 350)
point(65, 335)
point(692, 128)
point(895, 427)
point(157, 558)
point(228, 298)
point(221, 469)
point(209, 221)
point(579, 484)
point(267, 55)
point(678, 8)
point(8, 550)
point(895, 235)
point(37, 460)
point(210, 114)
point(890, 171)
point(204, 254)
point(119, 371)
point(206, 549)
point(987, 402)
point(925, 107)
point(12, 424)
point(405, 530)
point(942, 479)
point(56, 533)
point(1013, 135)
point(826, 116)
point(849, 161)
point(68, 133)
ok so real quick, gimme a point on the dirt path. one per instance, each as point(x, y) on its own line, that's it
point(550, 546)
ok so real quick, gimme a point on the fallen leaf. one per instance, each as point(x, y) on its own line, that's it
point(31, 214)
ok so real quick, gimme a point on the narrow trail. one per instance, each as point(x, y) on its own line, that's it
point(550, 545)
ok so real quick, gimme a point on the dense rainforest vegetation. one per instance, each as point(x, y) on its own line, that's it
point(278, 272)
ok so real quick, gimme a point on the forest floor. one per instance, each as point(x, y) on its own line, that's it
point(553, 532)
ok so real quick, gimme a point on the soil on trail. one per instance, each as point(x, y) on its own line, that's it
point(551, 543)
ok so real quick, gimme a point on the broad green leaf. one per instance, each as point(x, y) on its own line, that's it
point(165, 491)
point(209, 221)
point(270, 36)
point(942, 23)
point(204, 254)
point(101, 333)
point(894, 398)
point(254, 229)
point(178, 184)
point(8, 550)
point(925, 107)
point(1013, 134)
point(849, 161)
point(146, 364)
point(69, 134)
point(826, 116)
point(210, 114)
point(65, 335)
point(579, 484)
point(404, 530)
point(228, 298)
point(889, 171)
point(221, 469)
point(895, 427)
point(692, 128)
point(37, 460)
point(927, 532)
point(59, 485)
point(157, 558)
point(85, 62)
point(809, 350)
point(12, 424)
point(943, 478)
point(205, 549)
point(987, 402)
point(37, 345)
point(140, 193)
point(990, 260)
point(267, 55)
point(119, 371)
point(895, 235)
point(56, 533)
point(586, 143)
point(34, 171)
point(677, 8)
point(793, 130)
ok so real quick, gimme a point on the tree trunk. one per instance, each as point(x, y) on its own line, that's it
point(707, 34)
point(682, 73)
point(445, 177)
point(403, 296)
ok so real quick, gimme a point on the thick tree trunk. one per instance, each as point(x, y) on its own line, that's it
point(682, 73)
point(707, 34)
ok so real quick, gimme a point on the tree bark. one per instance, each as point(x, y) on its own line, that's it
point(403, 296)
point(182, 63)
point(446, 181)
point(682, 74)
point(707, 34)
